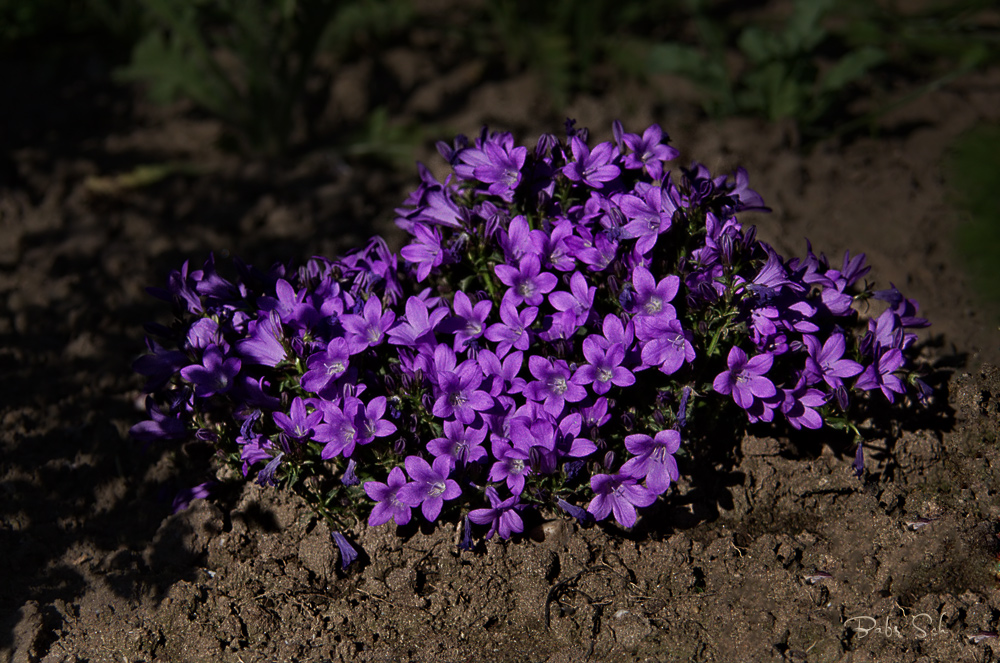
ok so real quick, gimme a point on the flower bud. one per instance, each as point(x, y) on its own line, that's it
point(609, 460)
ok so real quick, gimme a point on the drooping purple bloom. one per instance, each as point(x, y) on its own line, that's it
point(618, 494)
point(745, 378)
point(653, 459)
point(160, 425)
point(263, 343)
point(214, 375)
point(266, 477)
point(501, 516)
point(386, 495)
point(581, 514)
point(430, 485)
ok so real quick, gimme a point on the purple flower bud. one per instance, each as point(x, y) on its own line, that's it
point(572, 468)
point(749, 237)
point(859, 461)
point(659, 419)
point(682, 407)
point(347, 552)
point(350, 477)
point(206, 435)
point(390, 383)
point(840, 394)
point(627, 422)
point(399, 446)
point(466, 542)
point(581, 514)
point(535, 457)
point(609, 460)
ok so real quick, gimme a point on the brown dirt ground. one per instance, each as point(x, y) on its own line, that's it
point(94, 567)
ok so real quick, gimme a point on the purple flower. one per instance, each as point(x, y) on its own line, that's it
point(425, 250)
point(160, 425)
point(430, 486)
point(827, 363)
point(879, 375)
point(511, 464)
point(501, 516)
point(388, 505)
point(263, 345)
point(298, 425)
point(368, 328)
point(578, 302)
point(266, 477)
point(591, 168)
point(799, 403)
point(326, 366)
point(648, 151)
point(745, 378)
point(618, 493)
point(513, 330)
point(651, 298)
point(650, 214)
point(604, 368)
point(468, 321)
point(459, 395)
point(654, 459)
point(553, 384)
point(417, 326)
point(501, 169)
point(668, 345)
point(581, 514)
point(461, 444)
point(527, 284)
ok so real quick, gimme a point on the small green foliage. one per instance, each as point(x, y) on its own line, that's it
point(974, 170)
point(782, 74)
point(248, 62)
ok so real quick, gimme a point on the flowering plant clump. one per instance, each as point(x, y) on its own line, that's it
point(564, 323)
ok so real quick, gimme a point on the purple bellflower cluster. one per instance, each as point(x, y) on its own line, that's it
point(562, 323)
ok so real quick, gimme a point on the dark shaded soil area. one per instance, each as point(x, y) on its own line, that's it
point(787, 557)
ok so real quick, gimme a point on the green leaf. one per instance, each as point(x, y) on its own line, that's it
point(851, 67)
point(804, 30)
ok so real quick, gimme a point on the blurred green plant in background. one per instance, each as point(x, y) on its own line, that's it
point(808, 67)
point(973, 170)
point(569, 42)
point(248, 62)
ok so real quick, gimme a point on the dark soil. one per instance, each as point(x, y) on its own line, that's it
point(786, 557)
